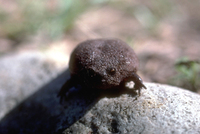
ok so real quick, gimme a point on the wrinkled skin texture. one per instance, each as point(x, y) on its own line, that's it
point(102, 65)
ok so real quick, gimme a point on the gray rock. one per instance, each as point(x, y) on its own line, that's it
point(29, 86)
point(160, 109)
point(28, 96)
point(22, 75)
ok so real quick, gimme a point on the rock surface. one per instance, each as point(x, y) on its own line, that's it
point(22, 75)
point(26, 107)
point(159, 109)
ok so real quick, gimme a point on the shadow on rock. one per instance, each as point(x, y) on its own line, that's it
point(42, 113)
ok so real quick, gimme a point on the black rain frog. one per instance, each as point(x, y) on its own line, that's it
point(102, 65)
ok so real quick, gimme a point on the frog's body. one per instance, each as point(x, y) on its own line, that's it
point(102, 64)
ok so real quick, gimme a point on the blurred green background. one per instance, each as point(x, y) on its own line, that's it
point(162, 32)
point(21, 18)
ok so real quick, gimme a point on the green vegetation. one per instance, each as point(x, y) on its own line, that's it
point(56, 17)
point(188, 74)
point(51, 17)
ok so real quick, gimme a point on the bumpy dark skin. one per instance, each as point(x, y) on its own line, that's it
point(102, 65)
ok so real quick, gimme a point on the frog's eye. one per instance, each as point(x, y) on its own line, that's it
point(111, 71)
